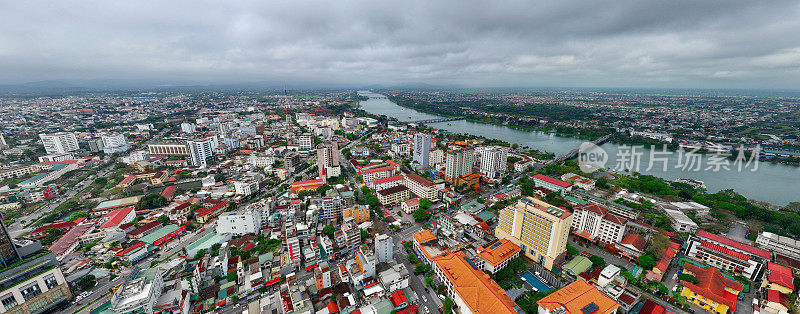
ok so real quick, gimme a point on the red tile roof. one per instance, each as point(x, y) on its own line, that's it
point(615, 219)
point(130, 249)
point(419, 179)
point(116, 217)
point(634, 240)
point(725, 250)
point(398, 298)
point(202, 211)
point(145, 228)
point(169, 191)
point(777, 297)
point(373, 170)
point(711, 284)
point(781, 275)
point(59, 225)
point(552, 180)
point(738, 245)
point(384, 180)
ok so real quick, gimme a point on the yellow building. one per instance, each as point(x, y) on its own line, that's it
point(539, 228)
point(713, 291)
point(360, 213)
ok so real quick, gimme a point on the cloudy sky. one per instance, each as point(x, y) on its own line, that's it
point(695, 44)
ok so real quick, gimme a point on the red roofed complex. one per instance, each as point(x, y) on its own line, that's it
point(69, 241)
point(727, 254)
point(713, 291)
point(63, 226)
point(399, 299)
point(306, 185)
point(144, 230)
point(579, 297)
point(376, 173)
point(471, 287)
point(169, 191)
point(203, 214)
point(496, 256)
point(551, 183)
point(632, 246)
point(119, 216)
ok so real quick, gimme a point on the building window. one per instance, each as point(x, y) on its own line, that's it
point(9, 302)
point(31, 291)
point(50, 282)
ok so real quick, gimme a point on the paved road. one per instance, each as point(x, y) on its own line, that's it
point(417, 284)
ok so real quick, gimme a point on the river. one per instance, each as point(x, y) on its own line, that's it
point(774, 183)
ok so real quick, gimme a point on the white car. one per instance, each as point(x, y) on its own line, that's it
point(424, 299)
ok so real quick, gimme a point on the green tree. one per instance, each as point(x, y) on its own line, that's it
point(425, 203)
point(51, 235)
point(101, 181)
point(572, 251)
point(412, 257)
point(232, 277)
point(86, 282)
point(597, 261)
point(77, 215)
point(647, 261)
point(328, 230)
point(163, 219)
point(688, 278)
point(421, 215)
point(447, 305)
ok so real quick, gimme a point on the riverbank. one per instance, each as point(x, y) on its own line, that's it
point(617, 138)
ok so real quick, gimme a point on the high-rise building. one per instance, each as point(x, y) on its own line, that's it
point(422, 150)
point(201, 150)
point(34, 284)
point(114, 143)
point(539, 228)
point(189, 128)
point(59, 143)
point(3, 143)
point(459, 162)
point(383, 248)
point(139, 293)
point(306, 141)
point(328, 159)
point(493, 161)
point(8, 253)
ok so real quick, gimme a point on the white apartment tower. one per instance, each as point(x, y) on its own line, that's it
point(59, 143)
point(114, 143)
point(493, 161)
point(188, 128)
point(459, 162)
point(200, 150)
point(383, 248)
point(422, 150)
point(328, 159)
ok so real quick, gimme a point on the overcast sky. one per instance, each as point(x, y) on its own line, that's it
point(638, 43)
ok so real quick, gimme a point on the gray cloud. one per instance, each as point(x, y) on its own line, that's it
point(736, 44)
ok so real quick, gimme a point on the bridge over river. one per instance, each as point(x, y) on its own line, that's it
point(437, 120)
point(571, 154)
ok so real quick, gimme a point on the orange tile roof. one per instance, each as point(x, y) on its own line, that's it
point(711, 284)
point(480, 293)
point(500, 253)
point(424, 236)
point(576, 296)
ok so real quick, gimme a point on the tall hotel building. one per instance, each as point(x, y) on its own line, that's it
point(540, 229)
